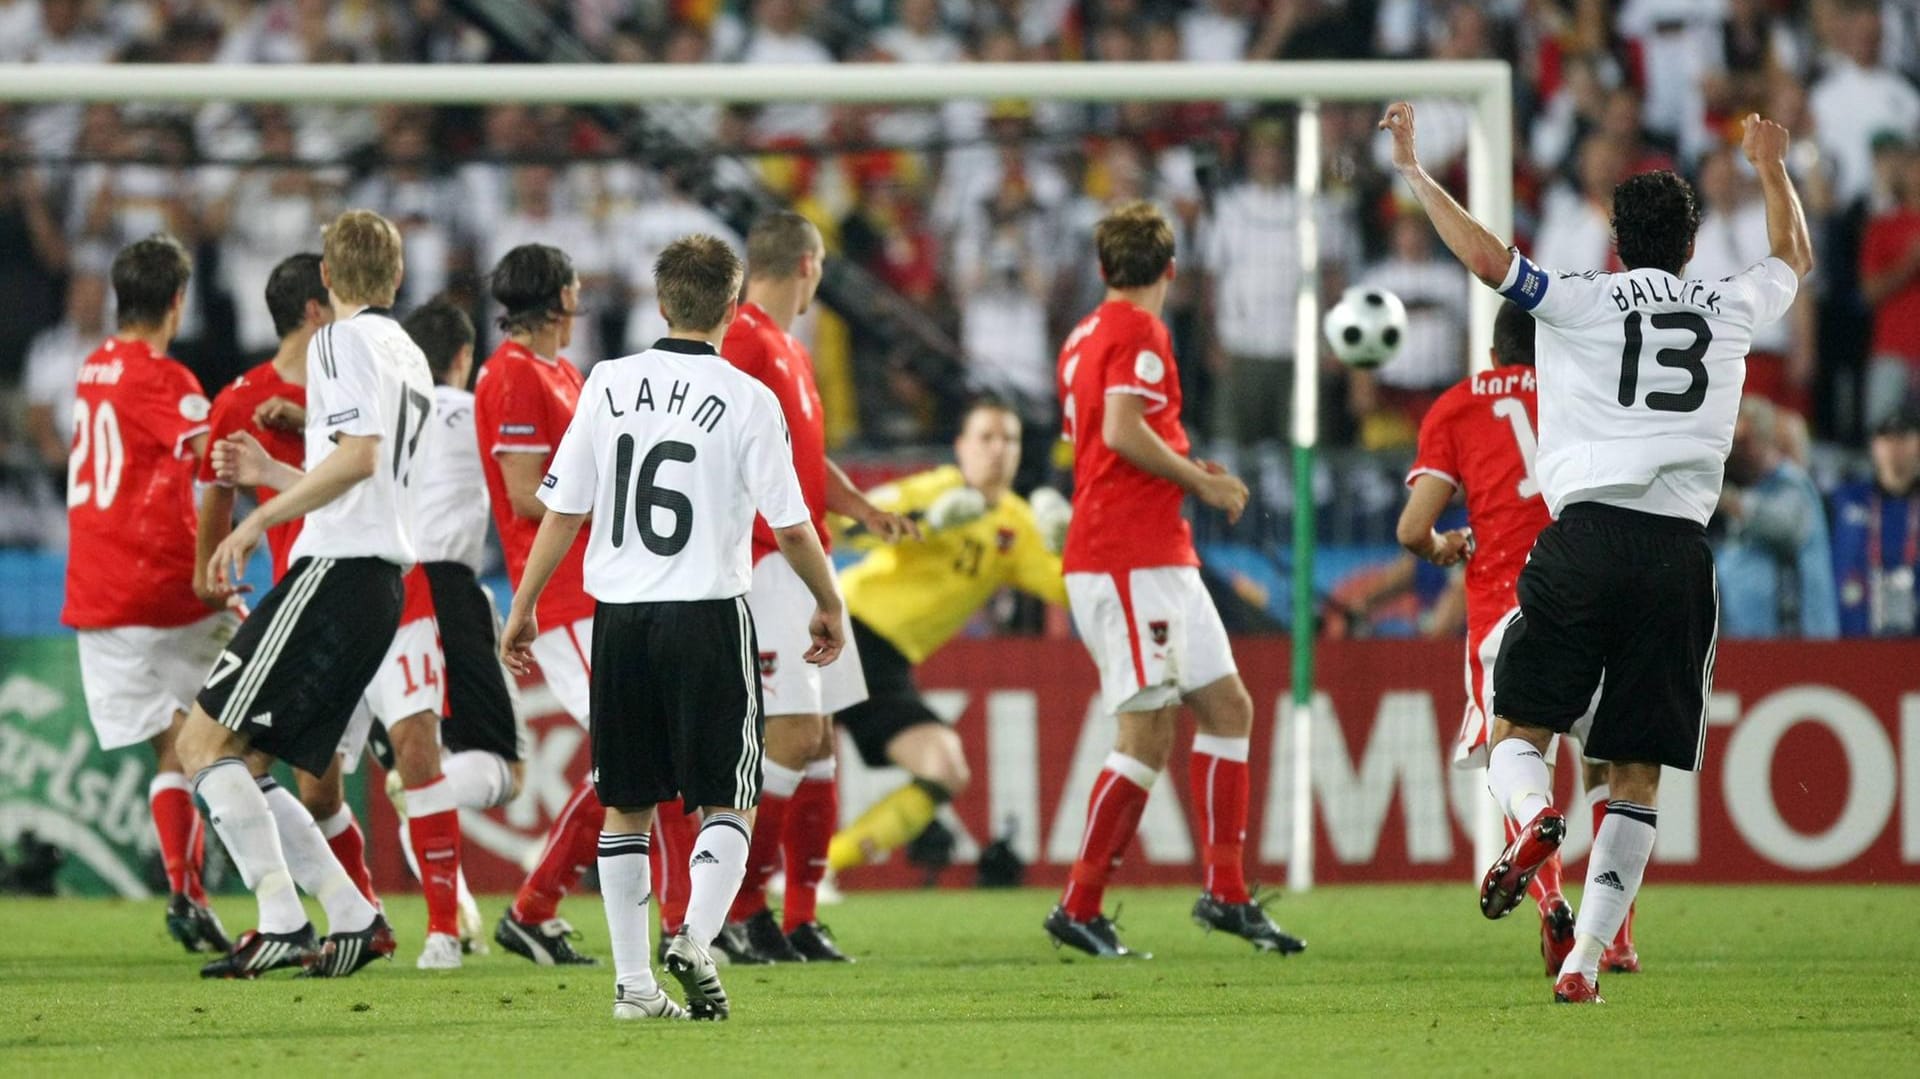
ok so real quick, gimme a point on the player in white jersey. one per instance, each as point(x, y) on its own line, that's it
point(288, 683)
point(672, 452)
point(1640, 375)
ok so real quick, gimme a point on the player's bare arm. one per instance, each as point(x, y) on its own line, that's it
point(215, 524)
point(1425, 502)
point(847, 500)
point(550, 545)
point(281, 415)
point(522, 473)
point(1765, 144)
point(241, 461)
point(354, 459)
point(802, 550)
point(1478, 249)
point(1128, 434)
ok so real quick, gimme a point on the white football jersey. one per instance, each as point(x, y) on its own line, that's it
point(1640, 378)
point(451, 509)
point(673, 450)
point(365, 376)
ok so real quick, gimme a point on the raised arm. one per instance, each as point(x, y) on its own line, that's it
point(1765, 144)
point(1479, 250)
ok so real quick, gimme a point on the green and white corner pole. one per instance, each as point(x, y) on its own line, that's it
point(1306, 434)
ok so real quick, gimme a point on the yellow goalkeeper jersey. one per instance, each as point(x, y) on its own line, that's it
point(918, 594)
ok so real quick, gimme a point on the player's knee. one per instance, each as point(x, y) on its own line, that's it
point(322, 799)
point(416, 749)
point(1147, 737)
point(516, 780)
point(792, 741)
point(1228, 712)
point(200, 741)
point(1638, 783)
point(1539, 738)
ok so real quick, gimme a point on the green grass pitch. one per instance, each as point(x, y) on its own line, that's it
point(1398, 980)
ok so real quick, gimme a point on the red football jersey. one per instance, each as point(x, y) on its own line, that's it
point(1479, 437)
point(522, 404)
point(1123, 518)
point(130, 511)
point(233, 410)
point(762, 349)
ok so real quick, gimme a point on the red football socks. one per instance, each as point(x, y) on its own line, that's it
point(672, 845)
point(1218, 770)
point(433, 827)
point(174, 823)
point(1113, 815)
point(573, 844)
point(349, 846)
point(811, 820)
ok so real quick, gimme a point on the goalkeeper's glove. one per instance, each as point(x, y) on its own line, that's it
point(960, 506)
point(1051, 514)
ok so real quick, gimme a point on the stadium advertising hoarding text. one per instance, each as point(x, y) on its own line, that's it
point(1813, 769)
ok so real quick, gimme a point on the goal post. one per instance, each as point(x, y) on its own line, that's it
point(1485, 84)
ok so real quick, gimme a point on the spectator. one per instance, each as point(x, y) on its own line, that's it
point(1004, 275)
point(33, 253)
point(778, 36)
point(1859, 98)
point(423, 205)
point(1215, 31)
point(1890, 283)
point(1732, 237)
point(638, 238)
point(53, 365)
point(1250, 254)
point(65, 36)
point(1680, 49)
point(262, 214)
point(1773, 558)
point(1876, 535)
point(1444, 120)
point(1576, 222)
point(1434, 289)
point(915, 38)
point(539, 216)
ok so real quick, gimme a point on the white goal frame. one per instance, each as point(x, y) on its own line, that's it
point(1485, 84)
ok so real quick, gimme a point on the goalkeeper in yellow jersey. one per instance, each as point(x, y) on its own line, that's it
point(909, 598)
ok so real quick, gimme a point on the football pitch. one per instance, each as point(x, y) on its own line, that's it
point(1398, 980)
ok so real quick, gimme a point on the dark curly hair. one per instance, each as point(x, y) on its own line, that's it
point(527, 284)
point(1655, 216)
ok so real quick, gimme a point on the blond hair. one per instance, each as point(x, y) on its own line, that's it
point(778, 243)
point(697, 278)
point(361, 253)
point(1135, 244)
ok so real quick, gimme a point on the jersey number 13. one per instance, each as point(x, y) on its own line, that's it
point(1683, 359)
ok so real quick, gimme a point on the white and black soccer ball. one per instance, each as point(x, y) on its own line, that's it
point(1367, 327)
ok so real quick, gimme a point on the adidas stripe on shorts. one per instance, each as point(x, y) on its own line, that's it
point(676, 704)
point(291, 676)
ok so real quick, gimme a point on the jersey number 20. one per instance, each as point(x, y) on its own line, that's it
point(97, 436)
point(650, 496)
point(1685, 359)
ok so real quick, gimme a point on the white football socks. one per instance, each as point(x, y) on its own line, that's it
point(1614, 872)
point(479, 779)
point(626, 888)
point(1518, 778)
point(239, 812)
point(714, 871)
point(312, 862)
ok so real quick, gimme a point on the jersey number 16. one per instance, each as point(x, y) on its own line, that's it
point(650, 496)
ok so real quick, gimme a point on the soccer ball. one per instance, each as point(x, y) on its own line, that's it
point(1367, 327)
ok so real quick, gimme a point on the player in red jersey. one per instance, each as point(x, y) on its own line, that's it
point(145, 636)
point(523, 402)
point(1133, 583)
point(269, 404)
point(1478, 441)
point(799, 807)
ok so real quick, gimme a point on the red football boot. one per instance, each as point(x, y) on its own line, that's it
point(1506, 882)
point(1556, 932)
point(1576, 989)
point(1620, 957)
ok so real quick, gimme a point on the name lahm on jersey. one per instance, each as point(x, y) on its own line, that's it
point(706, 415)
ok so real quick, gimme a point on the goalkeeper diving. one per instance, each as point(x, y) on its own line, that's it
point(909, 598)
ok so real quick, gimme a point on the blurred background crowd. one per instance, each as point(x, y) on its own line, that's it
point(978, 215)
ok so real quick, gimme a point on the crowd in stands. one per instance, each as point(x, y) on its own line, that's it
point(980, 212)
